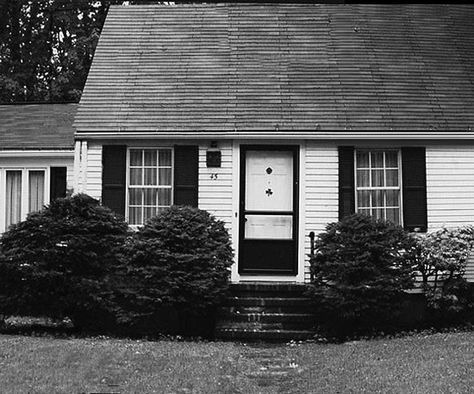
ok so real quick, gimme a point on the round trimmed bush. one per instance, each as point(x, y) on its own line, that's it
point(360, 270)
point(178, 262)
point(55, 263)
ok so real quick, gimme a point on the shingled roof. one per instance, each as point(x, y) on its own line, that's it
point(37, 126)
point(234, 67)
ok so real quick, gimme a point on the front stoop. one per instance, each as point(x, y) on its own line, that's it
point(266, 311)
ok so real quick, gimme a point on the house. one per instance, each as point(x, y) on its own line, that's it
point(36, 157)
point(279, 119)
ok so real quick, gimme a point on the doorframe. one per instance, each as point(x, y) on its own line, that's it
point(295, 149)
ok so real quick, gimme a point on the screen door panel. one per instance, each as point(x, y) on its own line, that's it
point(269, 179)
point(268, 211)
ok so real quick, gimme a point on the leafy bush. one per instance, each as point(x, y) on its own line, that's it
point(359, 273)
point(177, 262)
point(56, 262)
point(441, 259)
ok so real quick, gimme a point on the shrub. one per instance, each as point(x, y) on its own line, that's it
point(177, 262)
point(441, 259)
point(359, 273)
point(56, 262)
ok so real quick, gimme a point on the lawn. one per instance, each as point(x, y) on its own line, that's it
point(439, 363)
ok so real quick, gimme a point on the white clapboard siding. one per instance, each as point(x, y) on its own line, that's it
point(321, 191)
point(94, 171)
point(450, 186)
point(450, 189)
point(215, 183)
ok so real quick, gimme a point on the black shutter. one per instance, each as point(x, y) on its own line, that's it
point(186, 175)
point(57, 185)
point(346, 181)
point(113, 177)
point(414, 189)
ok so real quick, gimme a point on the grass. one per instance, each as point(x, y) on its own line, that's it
point(439, 363)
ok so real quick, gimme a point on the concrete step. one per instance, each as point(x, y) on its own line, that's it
point(266, 311)
point(265, 317)
point(275, 335)
point(258, 325)
point(267, 301)
point(262, 289)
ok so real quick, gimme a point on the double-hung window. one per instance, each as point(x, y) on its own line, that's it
point(150, 190)
point(378, 184)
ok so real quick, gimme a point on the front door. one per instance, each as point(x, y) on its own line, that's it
point(268, 210)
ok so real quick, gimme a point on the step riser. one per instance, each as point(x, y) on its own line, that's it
point(269, 309)
point(266, 317)
point(258, 326)
point(269, 294)
point(270, 336)
point(268, 302)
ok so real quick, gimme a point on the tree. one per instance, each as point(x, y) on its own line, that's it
point(46, 47)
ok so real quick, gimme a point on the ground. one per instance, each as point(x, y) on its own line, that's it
point(439, 363)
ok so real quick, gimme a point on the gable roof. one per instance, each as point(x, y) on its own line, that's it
point(37, 126)
point(233, 67)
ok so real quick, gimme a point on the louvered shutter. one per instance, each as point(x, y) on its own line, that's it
point(186, 175)
point(346, 181)
point(57, 184)
point(114, 177)
point(414, 189)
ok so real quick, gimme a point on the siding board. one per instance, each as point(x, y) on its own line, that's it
point(216, 194)
point(321, 191)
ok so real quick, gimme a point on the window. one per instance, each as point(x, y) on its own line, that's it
point(13, 197)
point(35, 190)
point(149, 183)
point(25, 192)
point(378, 184)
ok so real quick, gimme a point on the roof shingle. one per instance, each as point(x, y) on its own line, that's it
point(37, 126)
point(253, 67)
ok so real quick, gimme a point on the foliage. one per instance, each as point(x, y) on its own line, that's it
point(359, 273)
point(55, 263)
point(179, 260)
point(46, 47)
point(441, 259)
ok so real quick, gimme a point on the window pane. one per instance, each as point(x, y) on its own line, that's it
point(36, 191)
point(377, 198)
point(377, 159)
point(378, 213)
point(362, 159)
point(393, 215)
point(135, 176)
point(150, 157)
point(393, 198)
point(377, 178)
point(363, 198)
point(164, 197)
point(391, 159)
point(135, 197)
point(164, 157)
point(364, 212)
point(150, 196)
point(135, 215)
point(363, 178)
point(165, 176)
point(392, 177)
point(150, 176)
point(136, 157)
point(13, 197)
point(149, 212)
